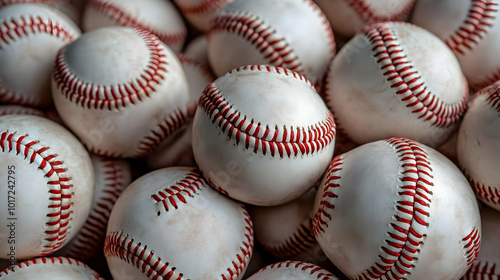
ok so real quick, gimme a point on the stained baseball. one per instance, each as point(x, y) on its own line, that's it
point(47, 186)
point(293, 270)
point(54, 268)
point(201, 13)
point(254, 127)
point(31, 35)
point(478, 146)
point(397, 209)
point(121, 91)
point(171, 224)
point(383, 83)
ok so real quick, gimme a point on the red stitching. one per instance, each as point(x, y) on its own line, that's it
point(370, 16)
point(111, 97)
point(493, 93)
point(481, 16)
point(137, 254)
point(403, 77)
point(203, 7)
point(273, 47)
point(326, 25)
point(59, 186)
point(165, 128)
point(10, 2)
point(482, 271)
point(92, 234)
point(262, 138)
point(311, 269)
point(178, 192)
point(19, 110)
point(204, 69)
point(125, 19)
point(12, 30)
point(49, 260)
point(484, 192)
point(298, 243)
point(472, 243)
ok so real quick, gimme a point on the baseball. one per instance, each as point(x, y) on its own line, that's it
point(112, 176)
point(485, 266)
point(19, 110)
point(471, 29)
point(347, 17)
point(54, 268)
point(157, 16)
point(201, 13)
point(121, 91)
point(383, 83)
point(47, 187)
point(397, 209)
point(273, 32)
point(254, 127)
point(30, 36)
point(478, 146)
point(170, 224)
point(293, 270)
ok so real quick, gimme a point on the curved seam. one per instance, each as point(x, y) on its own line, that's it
point(203, 7)
point(370, 16)
point(49, 260)
point(59, 186)
point(312, 269)
point(298, 242)
point(407, 81)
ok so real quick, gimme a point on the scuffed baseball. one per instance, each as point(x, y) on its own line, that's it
point(31, 35)
point(286, 270)
point(112, 176)
point(121, 91)
point(54, 268)
point(385, 83)
point(157, 16)
point(397, 209)
point(47, 186)
point(171, 224)
point(348, 17)
point(292, 34)
point(254, 127)
point(471, 29)
point(478, 145)
point(201, 13)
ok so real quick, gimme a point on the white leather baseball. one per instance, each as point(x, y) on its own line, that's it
point(19, 110)
point(478, 145)
point(170, 224)
point(486, 266)
point(285, 231)
point(121, 91)
point(286, 270)
point(54, 268)
point(112, 176)
point(254, 127)
point(396, 79)
point(157, 16)
point(273, 32)
point(197, 49)
point(179, 151)
point(397, 209)
point(347, 17)
point(47, 186)
point(71, 8)
point(201, 13)
point(471, 28)
point(30, 36)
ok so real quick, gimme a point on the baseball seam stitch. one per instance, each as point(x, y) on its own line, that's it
point(59, 186)
point(482, 270)
point(11, 2)
point(474, 27)
point(14, 29)
point(471, 243)
point(137, 254)
point(172, 195)
point(15, 110)
point(370, 16)
point(493, 97)
point(93, 232)
point(204, 69)
point(485, 192)
point(326, 26)
point(299, 242)
point(289, 142)
point(312, 269)
point(203, 7)
point(123, 18)
point(406, 80)
point(270, 44)
point(89, 95)
point(53, 260)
